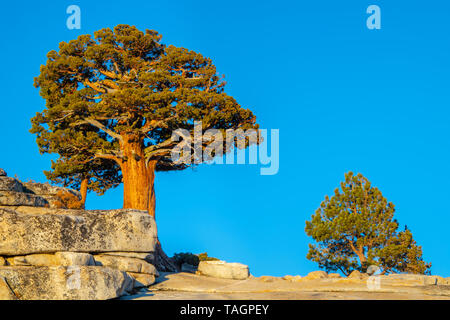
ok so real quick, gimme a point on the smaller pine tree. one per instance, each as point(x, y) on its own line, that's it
point(356, 228)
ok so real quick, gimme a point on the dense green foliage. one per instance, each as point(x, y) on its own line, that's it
point(356, 228)
point(122, 86)
point(186, 257)
point(192, 259)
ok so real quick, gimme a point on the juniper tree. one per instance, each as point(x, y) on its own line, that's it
point(98, 175)
point(356, 228)
point(113, 101)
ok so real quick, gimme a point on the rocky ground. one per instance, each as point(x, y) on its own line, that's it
point(48, 252)
point(170, 286)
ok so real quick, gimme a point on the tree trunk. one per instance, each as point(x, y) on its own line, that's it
point(83, 191)
point(359, 252)
point(138, 176)
point(151, 189)
point(138, 188)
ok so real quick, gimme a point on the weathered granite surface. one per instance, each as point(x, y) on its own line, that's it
point(13, 198)
point(75, 230)
point(32, 194)
point(64, 283)
point(10, 184)
point(222, 269)
point(50, 253)
point(48, 192)
point(187, 286)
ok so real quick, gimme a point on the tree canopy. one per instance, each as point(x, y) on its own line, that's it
point(355, 229)
point(113, 101)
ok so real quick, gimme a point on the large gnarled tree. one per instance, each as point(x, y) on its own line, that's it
point(113, 101)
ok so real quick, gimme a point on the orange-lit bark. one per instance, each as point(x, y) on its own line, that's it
point(83, 191)
point(138, 176)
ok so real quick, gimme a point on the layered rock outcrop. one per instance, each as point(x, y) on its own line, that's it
point(27, 231)
point(64, 283)
point(50, 253)
point(30, 194)
point(48, 192)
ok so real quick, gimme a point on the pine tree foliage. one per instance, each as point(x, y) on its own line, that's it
point(356, 228)
point(123, 87)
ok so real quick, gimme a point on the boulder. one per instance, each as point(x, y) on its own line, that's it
point(316, 275)
point(268, 279)
point(222, 269)
point(125, 264)
point(2, 261)
point(142, 280)
point(3, 173)
point(5, 291)
point(57, 259)
point(53, 230)
point(66, 283)
point(10, 184)
point(292, 278)
point(357, 275)
point(334, 276)
point(48, 192)
point(13, 198)
point(46, 189)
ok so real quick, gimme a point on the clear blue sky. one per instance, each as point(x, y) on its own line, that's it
point(344, 98)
